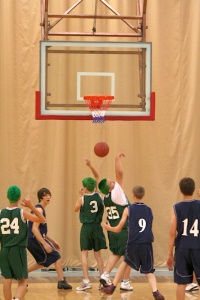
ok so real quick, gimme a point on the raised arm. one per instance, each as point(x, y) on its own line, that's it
point(118, 168)
point(94, 171)
point(37, 216)
point(79, 201)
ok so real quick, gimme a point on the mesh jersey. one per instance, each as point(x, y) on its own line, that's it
point(13, 228)
point(42, 227)
point(140, 224)
point(188, 216)
point(92, 209)
point(114, 211)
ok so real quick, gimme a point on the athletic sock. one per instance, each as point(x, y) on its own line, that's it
point(86, 281)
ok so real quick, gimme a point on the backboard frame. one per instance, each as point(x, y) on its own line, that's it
point(43, 113)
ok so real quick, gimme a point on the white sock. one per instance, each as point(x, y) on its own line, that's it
point(86, 281)
point(106, 274)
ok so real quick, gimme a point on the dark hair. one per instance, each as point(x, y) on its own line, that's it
point(43, 192)
point(187, 186)
point(138, 191)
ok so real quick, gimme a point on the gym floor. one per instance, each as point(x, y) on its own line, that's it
point(43, 286)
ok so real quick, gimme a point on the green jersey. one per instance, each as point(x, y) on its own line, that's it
point(115, 203)
point(13, 228)
point(92, 208)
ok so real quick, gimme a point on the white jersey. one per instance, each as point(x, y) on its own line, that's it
point(118, 196)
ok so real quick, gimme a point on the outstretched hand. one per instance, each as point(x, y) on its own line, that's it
point(27, 202)
point(120, 154)
point(87, 161)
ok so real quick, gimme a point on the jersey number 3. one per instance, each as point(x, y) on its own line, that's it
point(7, 226)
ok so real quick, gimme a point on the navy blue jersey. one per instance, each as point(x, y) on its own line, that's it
point(42, 226)
point(188, 223)
point(140, 224)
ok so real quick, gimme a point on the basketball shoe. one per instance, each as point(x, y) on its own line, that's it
point(105, 280)
point(84, 286)
point(192, 287)
point(62, 284)
point(125, 286)
point(157, 295)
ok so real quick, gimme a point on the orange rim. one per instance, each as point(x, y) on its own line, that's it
point(98, 97)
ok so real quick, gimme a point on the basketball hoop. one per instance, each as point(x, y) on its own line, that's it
point(98, 106)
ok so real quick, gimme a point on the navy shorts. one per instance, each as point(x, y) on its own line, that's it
point(186, 262)
point(42, 258)
point(140, 257)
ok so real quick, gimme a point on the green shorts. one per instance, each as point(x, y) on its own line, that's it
point(92, 237)
point(117, 242)
point(13, 262)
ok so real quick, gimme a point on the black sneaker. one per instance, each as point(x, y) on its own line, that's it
point(157, 295)
point(63, 285)
point(109, 289)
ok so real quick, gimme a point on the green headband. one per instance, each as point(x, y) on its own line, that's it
point(103, 187)
point(13, 194)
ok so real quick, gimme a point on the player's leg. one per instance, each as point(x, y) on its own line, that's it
point(62, 283)
point(180, 291)
point(34, 266)
point(85, 245)
point(118, 277)
point(99, 260)
point(123, 269)
point(85, 284)
point(84, 262)
point(112, 261)
point(125, 284)
point(7, 288)
point(152, 281)
point(21, 289)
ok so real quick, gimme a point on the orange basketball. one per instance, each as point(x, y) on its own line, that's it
point(101, 149)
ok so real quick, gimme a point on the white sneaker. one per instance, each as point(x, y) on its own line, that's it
point(84, 286)
point(125, 286)
point(105, 280)
point(192, 287)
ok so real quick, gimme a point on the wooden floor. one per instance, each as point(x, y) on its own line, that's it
point(45, 288)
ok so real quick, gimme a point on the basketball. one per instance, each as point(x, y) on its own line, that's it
point(101, 149)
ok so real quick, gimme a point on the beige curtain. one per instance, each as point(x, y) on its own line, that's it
point(35, 154)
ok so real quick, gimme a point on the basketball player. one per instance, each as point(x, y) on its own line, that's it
point(115, 202)
point(193, 286)
point(184, 235)
point(43, 248)
point(90, 207)
point(139, 251)
point(13, 239)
